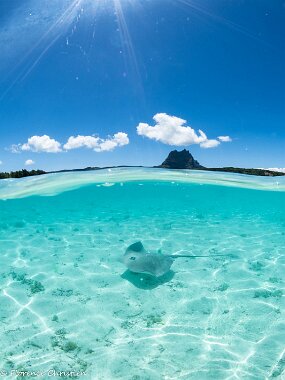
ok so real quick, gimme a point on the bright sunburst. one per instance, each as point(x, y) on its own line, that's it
point(63, 21)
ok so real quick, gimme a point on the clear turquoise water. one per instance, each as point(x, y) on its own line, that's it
point(68, 303)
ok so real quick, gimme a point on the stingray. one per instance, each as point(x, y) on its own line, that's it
point(138, 260)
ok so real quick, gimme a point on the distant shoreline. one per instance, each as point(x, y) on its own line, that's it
point(247, 171)
point(175, 161)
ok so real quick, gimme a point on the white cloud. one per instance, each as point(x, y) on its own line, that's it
point(1, 162)
point(48, 145)
point(96, 143)
point(38, 144)
point(171, 130)
point(210, 143)
point(29, 162)
point(79, 141)
point(225, 138)
point(15, 148)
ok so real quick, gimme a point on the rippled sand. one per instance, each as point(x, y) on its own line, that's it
point(68, 303)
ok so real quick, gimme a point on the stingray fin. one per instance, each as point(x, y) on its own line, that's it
point(136, 247)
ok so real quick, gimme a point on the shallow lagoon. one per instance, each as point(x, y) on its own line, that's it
point(67, 302)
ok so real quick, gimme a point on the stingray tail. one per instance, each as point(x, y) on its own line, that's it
point(190, 256)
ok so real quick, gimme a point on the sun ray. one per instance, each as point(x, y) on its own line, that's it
point(56, 30)
point(221, 20)
point(127, 45)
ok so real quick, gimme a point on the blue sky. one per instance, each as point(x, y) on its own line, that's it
point(103, 69)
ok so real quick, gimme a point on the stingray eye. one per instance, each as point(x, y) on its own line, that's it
point(132, 258)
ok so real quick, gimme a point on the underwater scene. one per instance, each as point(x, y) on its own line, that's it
point(70, 307)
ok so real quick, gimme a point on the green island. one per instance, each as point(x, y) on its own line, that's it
point(21, 173)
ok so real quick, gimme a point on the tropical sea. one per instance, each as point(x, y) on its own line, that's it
point(68, 303)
